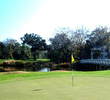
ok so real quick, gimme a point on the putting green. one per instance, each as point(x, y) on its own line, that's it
point(57, 88)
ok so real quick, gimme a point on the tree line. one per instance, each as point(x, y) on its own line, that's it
point(66, 41)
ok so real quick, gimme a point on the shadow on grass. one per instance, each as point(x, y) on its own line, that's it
point(37, 90)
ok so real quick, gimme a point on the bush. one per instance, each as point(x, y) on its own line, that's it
point(9, 63)
point(62, 66)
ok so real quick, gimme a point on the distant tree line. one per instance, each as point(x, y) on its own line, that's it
point(77, 42)
point(28, 49)
point(65, 43)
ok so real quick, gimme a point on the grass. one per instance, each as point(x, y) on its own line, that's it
point(45, 60)
point(8, 76)
point(55, 86)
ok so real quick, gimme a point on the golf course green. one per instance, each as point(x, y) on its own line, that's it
point(55, 85)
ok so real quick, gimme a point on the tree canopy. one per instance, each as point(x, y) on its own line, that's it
point(65, 42)
point(35, 42)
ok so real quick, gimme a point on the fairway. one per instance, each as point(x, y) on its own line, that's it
point(56, 88)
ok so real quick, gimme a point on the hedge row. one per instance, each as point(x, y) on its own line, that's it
point(25, 65)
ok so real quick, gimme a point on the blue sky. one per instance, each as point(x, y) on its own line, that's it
point(44, 16)
point(14, 13)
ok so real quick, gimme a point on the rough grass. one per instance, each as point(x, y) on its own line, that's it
point(55, 86)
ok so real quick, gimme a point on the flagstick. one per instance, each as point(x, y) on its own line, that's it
point(72, 60)
point(72, 78)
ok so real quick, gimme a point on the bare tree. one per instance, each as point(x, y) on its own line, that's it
point(78, 40)
point(67, 42)
point(10, 46)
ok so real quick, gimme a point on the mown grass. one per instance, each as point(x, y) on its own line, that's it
point(55, 86)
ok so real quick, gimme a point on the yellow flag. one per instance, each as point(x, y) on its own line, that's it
point(72, 59)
